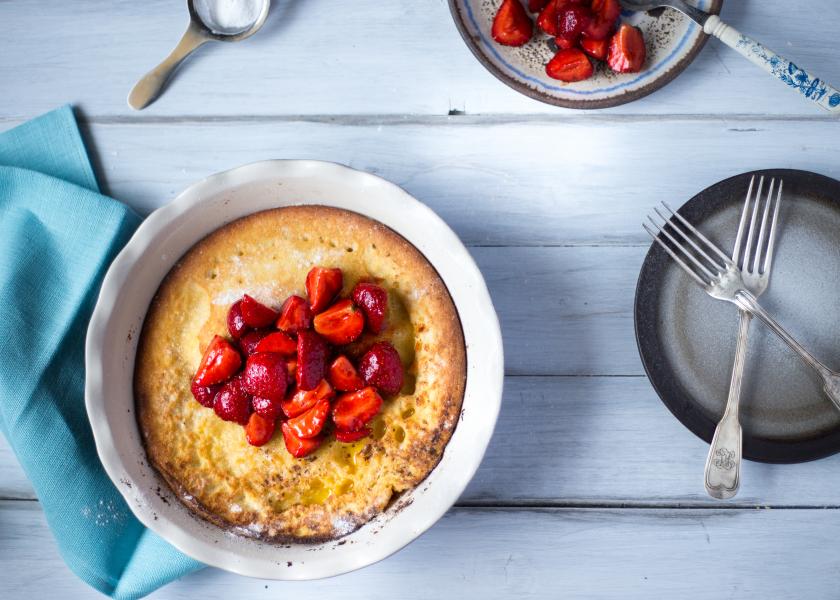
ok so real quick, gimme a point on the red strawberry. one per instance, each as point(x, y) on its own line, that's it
point(277, 342)
point(569, 65)
point(512, 26)
point(232, 402)
point(291, 366)
point(270, 409)
point(295, 315)
point(322, 285)
point(536, 5)
point(381, 367)
point(341, 323)
point(343, 375)
point(248, 343)
point(354, 410)
point(348, 437)
point(265, 376)
point(235, 322)
point(627, 50)
point(572, 20)
point(601, 25)
point(310, 423)
point(259, 429)
point(547, 21)
point(312, 359)
point(373, 300)
point(301, 400)
point(220, 361)
point(255, 314)
point(595, 48)
point(296, 446)
point(565, 43)
point(204, 393)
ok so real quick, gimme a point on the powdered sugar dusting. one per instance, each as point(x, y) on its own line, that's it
point(343, 526)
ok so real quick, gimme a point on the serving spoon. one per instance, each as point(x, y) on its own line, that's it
point(197, 34)
point(813, 88)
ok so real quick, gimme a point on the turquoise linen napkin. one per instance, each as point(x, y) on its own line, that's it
point(57, 237)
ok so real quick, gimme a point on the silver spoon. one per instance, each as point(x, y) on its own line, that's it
point(202, 29)
point(799, 79)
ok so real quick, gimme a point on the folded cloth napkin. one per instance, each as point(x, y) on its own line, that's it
point(57, 238)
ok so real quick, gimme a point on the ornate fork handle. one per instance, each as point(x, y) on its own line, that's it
point(831, 381)
point(723, 465)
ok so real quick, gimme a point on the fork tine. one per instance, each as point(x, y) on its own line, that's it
point(681, 247)
point(736, 254)
point(768, 260)
point(673, 255)
point(748, 251)
point(687, 238)
point(762, 232)
point(702, 237)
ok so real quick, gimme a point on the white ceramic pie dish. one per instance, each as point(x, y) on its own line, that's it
point(132, 281)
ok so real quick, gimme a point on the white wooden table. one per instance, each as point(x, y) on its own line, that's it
point(590, 487)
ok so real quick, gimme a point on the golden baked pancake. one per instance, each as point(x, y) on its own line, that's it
point(264, 491)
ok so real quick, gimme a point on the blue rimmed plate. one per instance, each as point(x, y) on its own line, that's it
point(672, 41)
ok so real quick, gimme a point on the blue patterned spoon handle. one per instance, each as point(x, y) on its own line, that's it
point(800, 80)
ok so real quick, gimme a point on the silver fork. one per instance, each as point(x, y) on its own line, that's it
point(723, 465)
point(721, 278)
point(796, 78)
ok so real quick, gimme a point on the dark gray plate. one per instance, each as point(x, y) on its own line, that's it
point(687, 340)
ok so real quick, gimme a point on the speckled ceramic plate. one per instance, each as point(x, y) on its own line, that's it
point(687, 340)
point(673, 40)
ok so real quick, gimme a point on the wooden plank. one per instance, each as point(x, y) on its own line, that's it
point(594, 440)
point(319, 57)
point(525, 182)
point(481, 553)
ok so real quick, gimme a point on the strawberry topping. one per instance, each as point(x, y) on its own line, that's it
point(348, 437)
point(302, 400)
point(354, 410)
point(265, 376)
point(512, 26)
point(277, 342)
point(310, 423)
point(235, 322)
point(299, 447)
point(343, 375)
point(373, 300)
point(381, 367)
point(220, 361)
point(312, 359)
point(259, 429)
point(232, 402)
point(255, 314)
point(341, 323)
point(295, 315)
point(322, 285)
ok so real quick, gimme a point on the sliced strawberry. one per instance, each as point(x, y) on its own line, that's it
point(565, 43)
point(595, 48)
point(248, 343)
point(572, 20)
point(312, 359)
point(569, 65)
point(322, 285)
point(255, 314)
point(295, 315)
point(302, 400)
point(547, 20)
point(277, 342)
point(348, 437)
point(259, 429)
point(605, 14)
point(220, 361)
point(343, 375)
point(354, 410)
point(373, 300)
point(265, 376)
point(381, 367)
point(310, 423)
point(627, 50)
point(512, 26)
point(205, 394)
point(296, 446)
point(291, 367)
point(232, 403)
point(536, 6)
point(268, 408)
point(235, 322)
point(341, 323)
